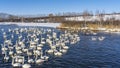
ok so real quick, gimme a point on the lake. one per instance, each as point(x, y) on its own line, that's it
point(86, 53)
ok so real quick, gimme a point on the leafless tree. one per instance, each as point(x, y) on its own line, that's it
point(86, 16)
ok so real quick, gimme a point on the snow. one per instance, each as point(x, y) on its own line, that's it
point(54, 25)
point(93, 18)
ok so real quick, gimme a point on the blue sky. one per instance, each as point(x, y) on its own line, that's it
point(21, 7)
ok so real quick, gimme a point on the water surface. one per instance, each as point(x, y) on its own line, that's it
point(85, 54)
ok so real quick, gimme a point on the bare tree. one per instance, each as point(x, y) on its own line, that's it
point(112, 19)
point(86, 16)
point(100, 18)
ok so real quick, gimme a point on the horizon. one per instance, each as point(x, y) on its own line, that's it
point(30, 7)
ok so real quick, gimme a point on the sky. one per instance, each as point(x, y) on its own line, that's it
point(31, 7)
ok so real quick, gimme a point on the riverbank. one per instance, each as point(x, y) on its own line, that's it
point(92, 27)
point(114, 30)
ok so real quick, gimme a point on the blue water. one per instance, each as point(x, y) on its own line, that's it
point(84, 54)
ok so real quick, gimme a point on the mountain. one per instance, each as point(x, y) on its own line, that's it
point(6, 16)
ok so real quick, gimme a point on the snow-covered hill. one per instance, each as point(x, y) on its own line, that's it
point(6, 16)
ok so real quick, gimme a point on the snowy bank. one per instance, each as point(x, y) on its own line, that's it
point(54, 25)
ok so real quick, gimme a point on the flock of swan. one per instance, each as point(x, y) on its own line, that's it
point(95, 38)
point(26, 46)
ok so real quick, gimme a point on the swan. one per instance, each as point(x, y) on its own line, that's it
point(50, 51)
point(94, 38)
point(11, 52)
point(40, 45)
point(6, 57)
point(4, 48)
point(26, 66)
point(38, 61)
point(16, 62)
point(101, 38)
point(39, 48)
point(62, 50)
point(30, 61)
point(45, 57)
point(57, 53)
point(65, 47)
point(16, 65)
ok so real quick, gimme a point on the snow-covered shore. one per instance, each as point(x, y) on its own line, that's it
point(54, 25)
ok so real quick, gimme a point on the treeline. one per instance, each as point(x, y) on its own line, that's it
point(61, 17)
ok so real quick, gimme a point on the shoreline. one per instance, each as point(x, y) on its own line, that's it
point(58, 26)
point(107, 30)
